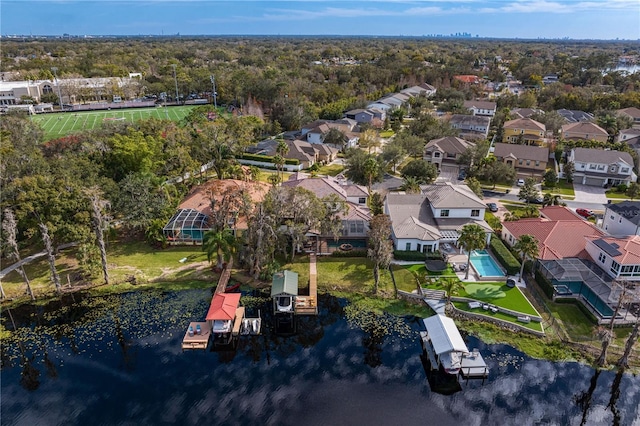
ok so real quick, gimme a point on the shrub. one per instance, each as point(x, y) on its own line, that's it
point(267, 159)
point(350, 253)
point(544, 284)
point(622, 188)
point(504, 256)
point(411, 256)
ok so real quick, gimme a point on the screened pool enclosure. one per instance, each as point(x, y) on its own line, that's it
point(186, 226)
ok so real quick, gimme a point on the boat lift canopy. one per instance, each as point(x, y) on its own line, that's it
point(444, 335)
point(223, 307)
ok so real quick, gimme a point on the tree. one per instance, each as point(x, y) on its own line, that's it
point(380, 246)
point(98, 207)
point(551, 200)
point(411, 185)
point(376, 203)
point(142, 198)
point(392, 153)
point(606, 333)
point(474, 156)
point(494, 171)
point(46, 239)
point(363, 168)
point(281, 152)
point(550, 178)
point(527, 247)
point(335, 137)
point(219, 243)
point(335, 209)
point(422, 171)
point(623, 362)
point(9, 227)
point(475, 186)
point(451, 285)
point(528, 191)
point(569, 169)
point(369, 139)
point(633, 190)
point(472, 237)
point(412, 145)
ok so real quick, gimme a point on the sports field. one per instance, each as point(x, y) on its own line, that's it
point(63, 123)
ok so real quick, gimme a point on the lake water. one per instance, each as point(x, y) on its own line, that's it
point(117, 360)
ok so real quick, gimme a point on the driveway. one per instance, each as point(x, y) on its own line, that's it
point(589, 194)
point(448, 174)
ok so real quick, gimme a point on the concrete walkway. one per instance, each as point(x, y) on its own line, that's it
point(30, 259)
point(438, 306)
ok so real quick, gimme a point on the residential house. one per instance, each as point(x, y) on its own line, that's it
point(467, 79)
point(563, 237)
point(584, 130)
point(420, 222)
point(633, 113)
point(525, 112)
point(306, 153)
point(527, 160)
point(316, 131)
point(471, 127)
point(355, 221)
point(485, 108)
point(374, 116)
point(529, 131)
point(423, 89)
point(445, 151)
point(575, 116)
point(284, 290)
point(629, 136)
point(619, 257)
point(550, 79)
point(597, 167)
point(622, 218)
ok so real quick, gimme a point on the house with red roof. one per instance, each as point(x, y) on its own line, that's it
point(222, 313)
point(557, 239)
point(619, 257)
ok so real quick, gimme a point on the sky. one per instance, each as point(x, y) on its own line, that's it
point(578, 19)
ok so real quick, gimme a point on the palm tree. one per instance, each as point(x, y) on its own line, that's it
point(550, 199)
point(527, 247)
point(219, 243)
point(451, 285)
point(371, 168)
point(281, 151)
point(472, 237)
point(411, 185)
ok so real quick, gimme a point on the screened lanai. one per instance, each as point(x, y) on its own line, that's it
point(186, 226)
point(572, 277)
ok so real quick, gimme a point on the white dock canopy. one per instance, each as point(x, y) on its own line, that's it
point(444, 335)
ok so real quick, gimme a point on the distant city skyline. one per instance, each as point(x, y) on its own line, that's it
point(532, 19)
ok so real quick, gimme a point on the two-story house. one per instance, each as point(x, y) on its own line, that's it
point(486, 108)
point(369, 115)
point(584, 130)
point(445, 151)
point(525, 130)
point(423, 89)
point(631, 112)
point(317, 133)
point(575, 116)
point(420, 222)
point(355, 221)
point(629, 136)
point(597, 167)
point(471, 127)
point(622, 218)
point(619, 257)
point(527, 160)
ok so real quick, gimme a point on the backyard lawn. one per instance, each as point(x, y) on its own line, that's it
point(331, 169)
point(463, 306)
point(575, 322)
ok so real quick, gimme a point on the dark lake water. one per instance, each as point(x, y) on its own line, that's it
point(117, 360)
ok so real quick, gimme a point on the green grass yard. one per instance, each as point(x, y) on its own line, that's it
point(499, 315)
point(331, 169)
point(60, 124)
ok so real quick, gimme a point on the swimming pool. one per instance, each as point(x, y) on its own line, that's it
point(484, 264)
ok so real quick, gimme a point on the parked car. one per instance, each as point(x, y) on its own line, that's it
point(520, 182)
point(493, 207)
point(536, 200)
point(462, 174)
point(585, 213)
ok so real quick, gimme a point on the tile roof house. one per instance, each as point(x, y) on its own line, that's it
point(306, 153)
point(584, 130)
point(575, 116)
point(485, 108)
point(626, 135)
point(355, 221)
point(467, 79)
point(557, 239)
point(530, 131)
point(559, 213)
point(525, 112)
point(420, 222)
point(633, 113)
point(597, 167)
point(527, 160)
point(368, 115)
point(445, 151)
point(619, 257)
point(471, 127)
point(423, 89)
point(622, 218)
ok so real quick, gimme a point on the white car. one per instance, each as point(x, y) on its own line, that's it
point(520, 182)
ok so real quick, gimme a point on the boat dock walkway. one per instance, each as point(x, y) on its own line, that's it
point(436, 299)
point(308, 305)
point(193, 340)
point(237, 323)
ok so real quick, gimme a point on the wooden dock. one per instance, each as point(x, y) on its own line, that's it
point(197, 341)
point(224, 277)
point(237, 322)
point(308, 305)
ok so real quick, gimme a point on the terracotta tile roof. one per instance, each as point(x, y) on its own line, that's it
point(559, 213)
point(629, 248)
point(557, 239)
point(223, 306)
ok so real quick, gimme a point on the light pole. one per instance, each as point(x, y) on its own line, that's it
point(215, 94)
point(175, 78)
point(55, 74)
